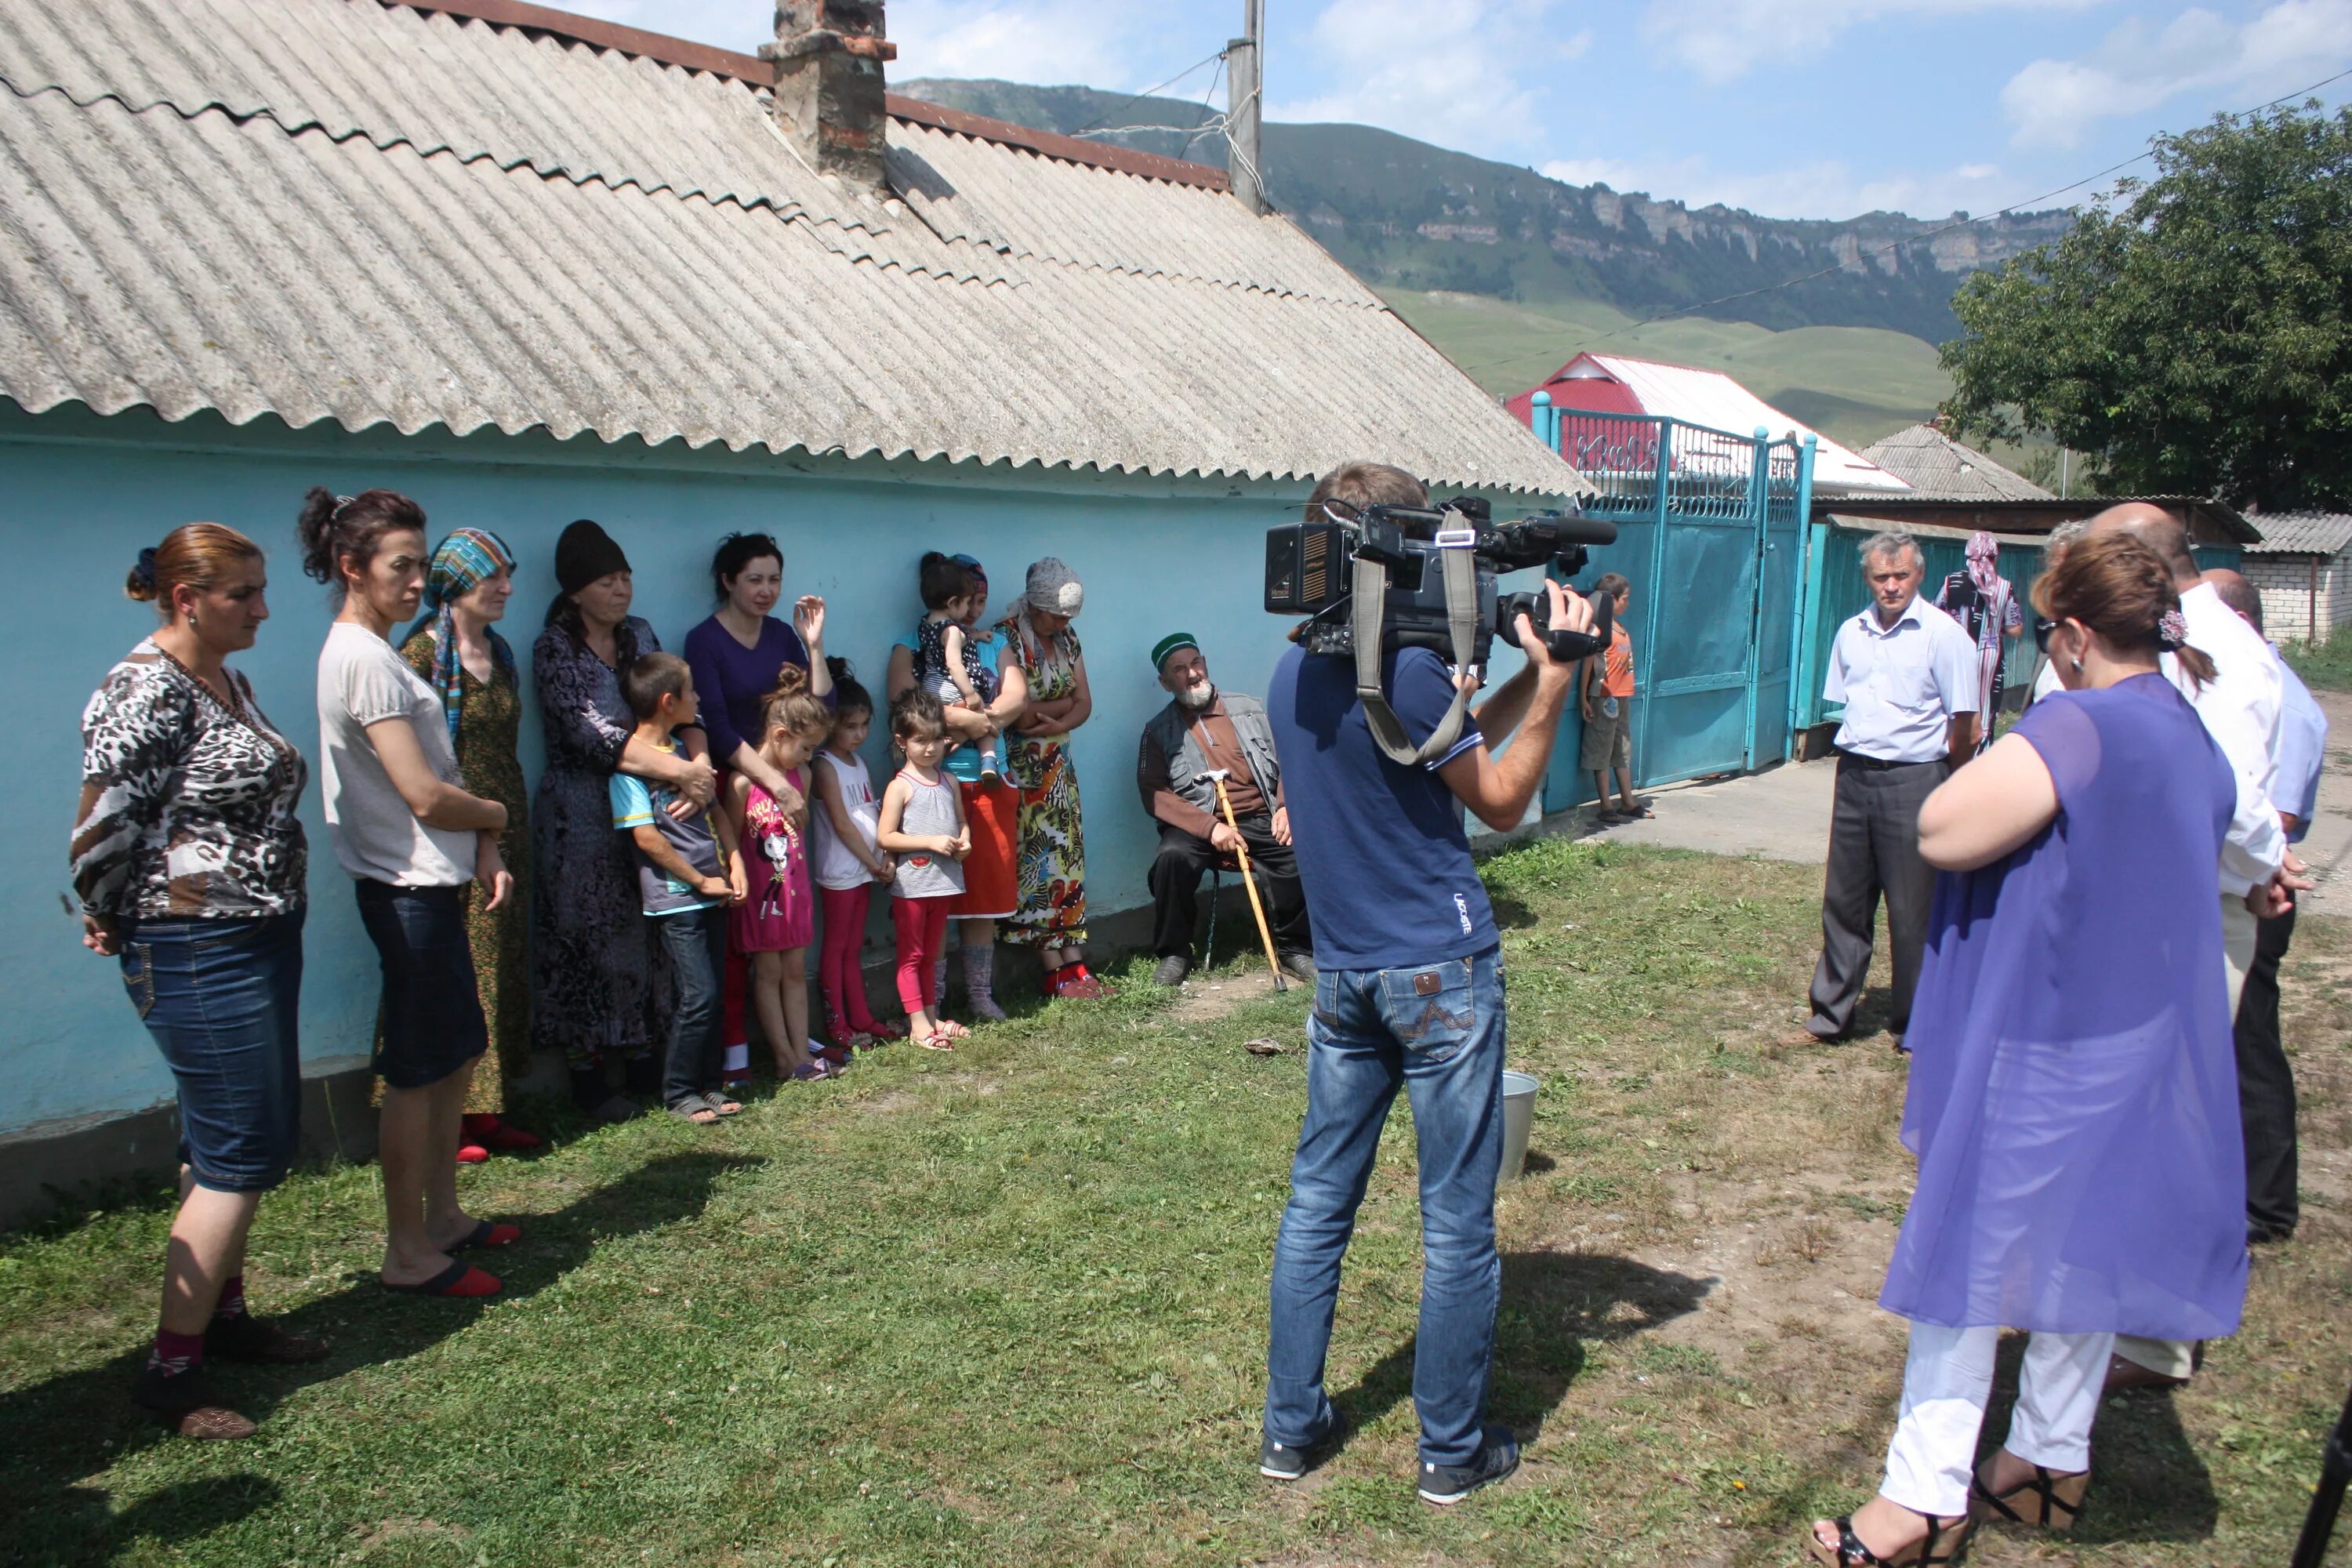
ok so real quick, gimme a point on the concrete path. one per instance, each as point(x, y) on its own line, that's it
point(1783, 813)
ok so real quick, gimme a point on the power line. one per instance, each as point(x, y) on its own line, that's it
point(1913, 239)
point(1147, 91)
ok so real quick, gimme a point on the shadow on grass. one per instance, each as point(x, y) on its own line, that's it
point(1554, 1304)
point(2148, 1481)
point(61, 1431)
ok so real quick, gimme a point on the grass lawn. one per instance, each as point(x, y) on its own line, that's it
point(1008, 1306)
point(2323, 665)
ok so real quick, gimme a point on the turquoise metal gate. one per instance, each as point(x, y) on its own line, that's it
point(1709, 531)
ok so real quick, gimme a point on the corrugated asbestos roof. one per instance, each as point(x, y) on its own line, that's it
point(1934, 464)
point(1711, 398)
point(347, 211)
point(2302, 532)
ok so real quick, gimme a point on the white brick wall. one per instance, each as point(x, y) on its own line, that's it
point(2294, 596)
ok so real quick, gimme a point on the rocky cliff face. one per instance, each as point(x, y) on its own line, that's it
point(1404, 213)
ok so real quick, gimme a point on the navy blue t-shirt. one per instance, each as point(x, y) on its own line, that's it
point(1380, 846)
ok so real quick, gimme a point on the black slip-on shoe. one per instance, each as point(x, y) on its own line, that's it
point(1498, 1455)
point(1281, 1462)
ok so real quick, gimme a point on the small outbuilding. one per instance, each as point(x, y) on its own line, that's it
point(2302, 565)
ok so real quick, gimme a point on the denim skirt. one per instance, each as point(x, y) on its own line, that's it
point(432, 1013)
point(222, 999)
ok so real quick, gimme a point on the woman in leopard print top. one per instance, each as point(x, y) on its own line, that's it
point(190, 861)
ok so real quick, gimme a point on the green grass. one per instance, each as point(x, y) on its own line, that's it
point(1008, 1306)
point(1856, 384)
point(2325, 665)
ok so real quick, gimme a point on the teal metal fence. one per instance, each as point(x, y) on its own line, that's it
point(1836, 592)
point(1710, 532)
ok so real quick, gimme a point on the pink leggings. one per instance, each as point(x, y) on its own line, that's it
point(838, 971)
point(922, 927)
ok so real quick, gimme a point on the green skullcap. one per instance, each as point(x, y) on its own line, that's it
point(1171, 644)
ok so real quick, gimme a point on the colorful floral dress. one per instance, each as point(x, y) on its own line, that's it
point(1050, 910)
point(489, 719)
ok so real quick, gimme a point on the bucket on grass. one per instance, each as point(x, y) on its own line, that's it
point(1519, 1120)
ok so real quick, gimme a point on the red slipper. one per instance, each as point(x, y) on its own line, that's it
point(488, 1235)
point(472, 1154)
point(461, 1280)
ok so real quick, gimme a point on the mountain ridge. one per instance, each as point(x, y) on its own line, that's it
point(1405, 214)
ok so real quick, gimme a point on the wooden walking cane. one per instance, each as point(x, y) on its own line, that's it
point(1241, 852)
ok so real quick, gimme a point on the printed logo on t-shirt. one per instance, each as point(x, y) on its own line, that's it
point(1462, 907)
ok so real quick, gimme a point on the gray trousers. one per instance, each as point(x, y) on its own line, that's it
point(1873, 854)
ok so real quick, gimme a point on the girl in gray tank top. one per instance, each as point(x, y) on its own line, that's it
point(922, 823)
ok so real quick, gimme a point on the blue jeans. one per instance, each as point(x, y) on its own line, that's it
point(220, 998)
point(695, 942)
point(1437, 1030)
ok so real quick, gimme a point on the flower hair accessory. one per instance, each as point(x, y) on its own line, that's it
point(144, 571)
point(2171, 629)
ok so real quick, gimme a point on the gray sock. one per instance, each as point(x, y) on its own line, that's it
point(979, 980)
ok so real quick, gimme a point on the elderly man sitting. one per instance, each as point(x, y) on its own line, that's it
point(1200, 731)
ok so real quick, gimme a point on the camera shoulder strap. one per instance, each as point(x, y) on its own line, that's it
point(1370, 592)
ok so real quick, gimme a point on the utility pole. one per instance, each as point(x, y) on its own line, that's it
point(1244, 72)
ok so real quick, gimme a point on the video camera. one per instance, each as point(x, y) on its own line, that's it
point(1309, 571)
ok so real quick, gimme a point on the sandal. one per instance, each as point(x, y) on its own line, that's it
point(953, 1030)
point(809, 1070)
point(722, 1104)
point(1852, 1553)
point(936, 1040)
point(694, 1108)
point(2054, 1499)
point(460, 1279)
point(485, 1234)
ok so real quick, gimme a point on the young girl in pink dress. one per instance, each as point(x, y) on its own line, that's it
point(775, 924)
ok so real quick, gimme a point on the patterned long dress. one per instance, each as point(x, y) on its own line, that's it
point(489, 762)
point(1050, 910)
point(592, 963)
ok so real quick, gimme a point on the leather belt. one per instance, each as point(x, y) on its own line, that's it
point(1880, 764)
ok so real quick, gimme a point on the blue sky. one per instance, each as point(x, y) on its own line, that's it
point(1789, 108)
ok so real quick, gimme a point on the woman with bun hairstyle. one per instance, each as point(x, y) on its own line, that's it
point(739, 655)
point(412, 838)
point(591, 965)
point(2073, 1095)
point(458, 651)
point(189, 862)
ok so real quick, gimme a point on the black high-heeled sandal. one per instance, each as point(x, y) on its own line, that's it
point(2053, 1509)
point(1852, 1553)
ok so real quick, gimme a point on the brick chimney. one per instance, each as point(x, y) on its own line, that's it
point(828, 56)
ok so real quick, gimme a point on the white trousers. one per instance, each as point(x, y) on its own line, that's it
point(1947, 1380)
point(2176, 1358)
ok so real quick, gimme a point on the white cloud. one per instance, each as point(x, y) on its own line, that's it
point(2052, 103)
point(1043, 42)
point(1824, 188)
point(1725, 39)
point(1466, 74)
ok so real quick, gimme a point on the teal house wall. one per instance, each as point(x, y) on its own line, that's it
point(79, 495)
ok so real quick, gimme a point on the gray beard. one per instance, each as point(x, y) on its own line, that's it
point(1193, 699)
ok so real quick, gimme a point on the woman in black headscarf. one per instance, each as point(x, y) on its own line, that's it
point(591, 962)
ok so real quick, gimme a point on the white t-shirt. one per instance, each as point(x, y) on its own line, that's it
point(837, 866)
point(361, 681)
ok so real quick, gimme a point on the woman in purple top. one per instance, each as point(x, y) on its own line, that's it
point(735, 655)
point(2073, 1098)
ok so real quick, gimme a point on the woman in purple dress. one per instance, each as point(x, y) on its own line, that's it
point(2074, 1092)
point(737, 655)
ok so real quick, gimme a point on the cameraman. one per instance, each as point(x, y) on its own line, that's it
point(1410, 995)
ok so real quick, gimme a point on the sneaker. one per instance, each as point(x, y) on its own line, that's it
point(1172, 970)
point(991, 775)
point(1498, 1455)
point(1280, 1462)
point(1300, 966)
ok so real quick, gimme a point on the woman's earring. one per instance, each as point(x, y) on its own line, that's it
point(191, 621)
point(2078, 664)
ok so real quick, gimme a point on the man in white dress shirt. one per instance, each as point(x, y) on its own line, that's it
point(2241, 707)
point(2265, 1078)
point(1907, 675)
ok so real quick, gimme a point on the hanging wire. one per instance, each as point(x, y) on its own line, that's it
point(1149, 91)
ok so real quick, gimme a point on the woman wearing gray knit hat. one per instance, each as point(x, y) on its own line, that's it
point(1051, 914)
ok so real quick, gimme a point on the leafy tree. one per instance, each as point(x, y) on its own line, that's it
point(2193, 335)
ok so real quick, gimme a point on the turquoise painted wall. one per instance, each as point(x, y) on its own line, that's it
point(79, 495)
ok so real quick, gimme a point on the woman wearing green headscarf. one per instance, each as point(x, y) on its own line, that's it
point(455, 648)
